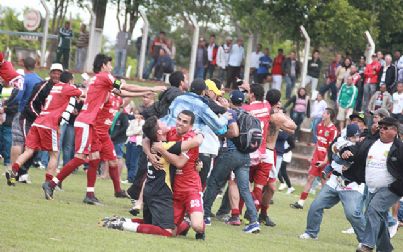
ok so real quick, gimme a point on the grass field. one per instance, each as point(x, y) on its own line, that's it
point(30, 223)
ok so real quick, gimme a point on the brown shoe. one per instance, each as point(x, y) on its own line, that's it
point(363, 248)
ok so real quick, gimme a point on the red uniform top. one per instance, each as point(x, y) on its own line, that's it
point(325, 136)
point(356, 78)
point(371, 72)
point(7, 72)
point(277, 62)
point(260, 110)
point(104, 120)
point(186, 179)
point(98, 91)
point(56, 104)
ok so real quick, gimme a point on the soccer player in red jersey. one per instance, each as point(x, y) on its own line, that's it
point(261, 162)
point(9, 75)
point(326, 132)
point(43, 134)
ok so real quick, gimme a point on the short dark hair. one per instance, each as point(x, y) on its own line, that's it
point(331, 112)
point(162, 32)
point(175, 78)
point(66, 77)
point(217, 82)
point(190, 114)
point(29, 63)
point(258, 91)
point(100, 60)
point(273, 96)
point(280, 50)
point(212, 35)
point(315, 51)
point(150, 128)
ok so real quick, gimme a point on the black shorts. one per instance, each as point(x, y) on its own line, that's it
point(158, 209)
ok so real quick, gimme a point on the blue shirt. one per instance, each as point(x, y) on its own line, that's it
point(30, 81)
point(281, 139)
point(230, 144)
point(265, 63)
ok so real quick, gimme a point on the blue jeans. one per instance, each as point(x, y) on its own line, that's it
point(298, 118)
point(314, 123)
point(5, 143)
point(43, 157)
point(376, 230)
point(132, 158)
point(400, 212)
point(149, 68)
point(67, 142)
point(290, 83)
point(120, 62)
point(118, 149)
point(329, 197)
point(199, 73)
point(226, 162)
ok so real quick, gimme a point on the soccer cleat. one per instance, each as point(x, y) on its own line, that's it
point(92, 201)
point(252, 228)
point(222, 217)
point(296, 205)
point(134, 211)
point(306, 236)
point(282, 187)
point(200, 236)
point(266, 220)
point(11, 178)
point(234, 221)
point(207, 221)
point(113, 222)
point(122, 194)
point(290, 190)
point(24, 179)
point(48, 190)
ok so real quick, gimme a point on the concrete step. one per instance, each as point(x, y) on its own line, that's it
point(297, 176)
point(300, 162)
point(305, 137)
point(303, 148)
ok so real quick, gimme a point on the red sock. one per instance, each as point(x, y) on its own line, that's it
point(114, 174)
point(68, 169)
point(48, 177)
point(304, 195)
point(138, 220)
point(235, 212)
point(92, 176)
point(257, 196)
point(183, 228)
point(263, 210)
point(15, 167)
point(241, 203)
point(151, 229)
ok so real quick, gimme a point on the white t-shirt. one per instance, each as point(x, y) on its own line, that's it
point(397, 103)
point(236, 55)
point(254, 59)
point(335, 183)
point(376, 172)
point(318, 108)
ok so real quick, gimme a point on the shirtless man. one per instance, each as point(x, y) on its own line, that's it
point(278, 121)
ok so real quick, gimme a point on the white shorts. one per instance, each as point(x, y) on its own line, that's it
point(276, 168)
point(276, 83)
point(344, 114)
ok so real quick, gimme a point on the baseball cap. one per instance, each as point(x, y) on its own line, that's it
point(353, 130)
point(359, 115)
point(390, 121)
point(213, 87)
point(237, 97)
point(56, 66)
point(198, 86)
point(381, 112)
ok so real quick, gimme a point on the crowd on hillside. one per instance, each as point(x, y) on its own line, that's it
point(195, 141)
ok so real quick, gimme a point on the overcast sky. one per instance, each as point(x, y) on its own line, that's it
point(110, 27)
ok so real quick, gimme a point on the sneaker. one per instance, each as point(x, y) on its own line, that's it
point(296, 205)
point(24, 179)
point(306, 236)
point(252, 228)
point(290, 190)
point(92, 201)
point(48, 190)
point(363, 248)
point(122, 194)
point(348, 231)
point(312, 191)
point(41, 166)
point(10, 177)
point(200, 236)
point(393, 230)
point(282, 187)
point(234, 221)
point(134, 211)
point(124, 181)
point(113, 222)
point(207, 221)
point(266, 220)
point(222, 217)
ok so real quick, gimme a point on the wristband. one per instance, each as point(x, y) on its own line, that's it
point(117, 83)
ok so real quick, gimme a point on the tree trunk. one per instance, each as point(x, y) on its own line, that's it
point(99, 7)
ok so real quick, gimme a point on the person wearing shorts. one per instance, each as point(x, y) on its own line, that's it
point(346, 101)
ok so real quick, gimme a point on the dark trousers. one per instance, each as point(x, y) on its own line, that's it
point(141, 175)
point(65, 53)
point(232, 74)
point(209, 70)
point(283, 175)
point(332, 87)
point(359, 95)
point(206, 160)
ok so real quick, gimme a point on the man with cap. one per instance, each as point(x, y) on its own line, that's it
point(230, 159)
point(377, 115)
point(377, 162)
point(212, 96)
point(370, 80)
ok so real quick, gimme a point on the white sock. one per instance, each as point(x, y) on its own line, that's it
point(130, 226)
point(54, 179)
point(301, 202)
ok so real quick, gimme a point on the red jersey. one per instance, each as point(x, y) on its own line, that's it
point(186, 179)
point(56, 104)
point(7, 72)
point(325, 136)
point(104, 120)
point(277, 62)
point(356, 78)
point(97, 93)
point(260, 110)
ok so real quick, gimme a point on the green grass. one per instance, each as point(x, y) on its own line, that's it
point(30, 223)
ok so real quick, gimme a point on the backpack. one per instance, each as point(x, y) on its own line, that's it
point(250, 133)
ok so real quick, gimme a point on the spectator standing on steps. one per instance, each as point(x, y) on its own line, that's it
point(122, 42)
point(235, 58)
point(291, 69)
point(82, 48)
point(277, 71)
point(63, 48)
point(314, 67)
